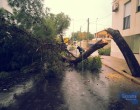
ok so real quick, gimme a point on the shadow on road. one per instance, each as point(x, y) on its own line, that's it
point(45, 95)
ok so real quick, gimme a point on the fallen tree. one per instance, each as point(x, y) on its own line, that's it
point(126, 51)
point(123, 46)
point(85, 55)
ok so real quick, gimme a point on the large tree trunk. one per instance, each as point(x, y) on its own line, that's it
point(86, 54)
point(126, 51)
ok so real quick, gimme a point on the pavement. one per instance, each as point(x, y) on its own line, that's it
point(120, 66)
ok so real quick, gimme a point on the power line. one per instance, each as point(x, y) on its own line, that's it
point(98, 23)
point(105, 16)
point(91, 19)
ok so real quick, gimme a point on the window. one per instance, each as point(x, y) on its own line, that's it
point(138, 8)
point(127, 12)
point(126, 22)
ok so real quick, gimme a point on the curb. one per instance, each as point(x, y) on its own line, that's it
point(131, 78)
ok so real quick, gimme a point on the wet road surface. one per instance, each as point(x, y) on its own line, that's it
point(80, 91)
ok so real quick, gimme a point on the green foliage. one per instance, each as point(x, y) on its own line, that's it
point(78, 36)
point(83, 65)
point(56, 24)
point(17, 49)
point(53, 62)
point(62, 22)
point(90, 64)
point(30, 15)
point(23, 38)
point(104, 51)
point(64, 53)
point(95, 63)
point(23, 34)
point(6, 17)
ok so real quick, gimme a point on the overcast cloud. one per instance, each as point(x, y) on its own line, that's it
point(80, 10)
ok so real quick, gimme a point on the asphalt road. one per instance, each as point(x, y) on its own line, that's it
point(106, 90)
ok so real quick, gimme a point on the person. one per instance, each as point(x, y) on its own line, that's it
point(81, 50)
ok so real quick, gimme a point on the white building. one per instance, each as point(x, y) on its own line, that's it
point(4, 4)
point(126, 19)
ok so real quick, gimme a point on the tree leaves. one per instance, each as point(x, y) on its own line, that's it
point(82, 36)
point(25, 30)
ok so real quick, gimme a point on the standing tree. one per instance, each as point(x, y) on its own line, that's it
point(82, 36)
point(31, 30)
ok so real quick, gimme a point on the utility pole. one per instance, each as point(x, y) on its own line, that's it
point(87, 31)
point(80, 28)
point(96, 30)
point(80, 34)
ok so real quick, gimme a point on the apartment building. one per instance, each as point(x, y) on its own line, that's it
point(126, 19)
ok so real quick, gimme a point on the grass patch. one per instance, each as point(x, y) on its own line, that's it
point(91, 64)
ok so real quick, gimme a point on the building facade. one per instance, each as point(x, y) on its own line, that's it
point(4, 4)
point(126, 19)
point(104, 35)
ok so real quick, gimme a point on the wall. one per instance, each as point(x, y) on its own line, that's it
point(132, 35)
point(102, 34)
point(117, 19)
point(115, 51)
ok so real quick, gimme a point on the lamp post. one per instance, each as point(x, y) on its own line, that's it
point(87, 33)
point(96, 30)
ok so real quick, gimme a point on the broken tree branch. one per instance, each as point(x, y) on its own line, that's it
point(66, 50)
point(70, 53)
point(85, 55)
point(126, 51)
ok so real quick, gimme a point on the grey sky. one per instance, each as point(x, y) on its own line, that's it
point(80, 10)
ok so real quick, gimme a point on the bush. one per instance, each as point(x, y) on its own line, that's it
point(104, 51)
point(90, 64)
point(94, 63)
point(82, 65)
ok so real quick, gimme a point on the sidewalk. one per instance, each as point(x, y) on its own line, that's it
point(120, 66)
